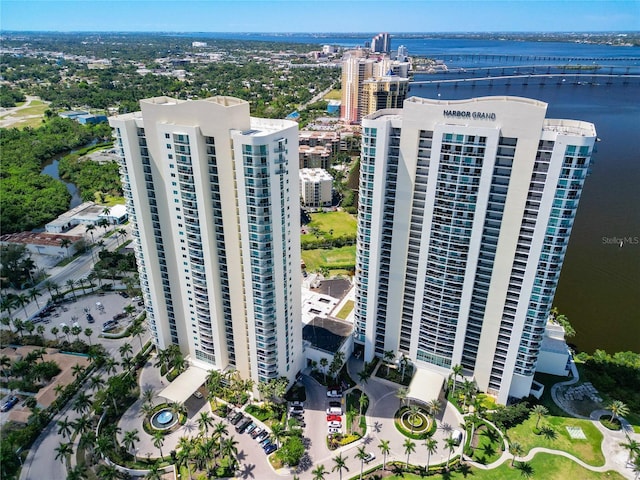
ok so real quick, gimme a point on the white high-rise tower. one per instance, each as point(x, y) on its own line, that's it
point(213, 201)
point(465, 213)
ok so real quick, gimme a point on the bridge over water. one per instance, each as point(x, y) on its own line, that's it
point(539, 79)
point(519, 58)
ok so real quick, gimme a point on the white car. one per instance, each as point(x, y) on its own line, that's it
point(370, 456)
point(334, 425)
point(296, 404)
point(334, 394)
point(332, 430)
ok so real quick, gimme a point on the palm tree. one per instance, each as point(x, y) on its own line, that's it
point(23, 300)
point(184, 455)
point(526, 470)
point(111, 366)
point(108, 472)
point(319, 472)
point(385, 448)
point(409, 448)
point(89, 229)
point(516, 450)
point(66, 330)
point(204, 422)
point(34, 293)
point(434, 407)
point(154, 472)
point(158, 441)
point(82, 403)
point(125, 350)
point(65, 427)
point(79, 472)
point(63, 450)
point(539, 411)
point(456, 371)
point(388, 357)
point(129, 440)
point(148, 394)
point(363, 401)
point(324, 363)
point(228, 448)
point(96, 381)
point(450, 443)
point(432, 447)
point(364, 376)
point(362, 456)
point(633, 446)
point(414, 413)
point(402, 394)
point(220, 429)
point(88, 332)
point(340, 464)
point(71, 284)
point(278, 432)
point(64, 243)
point(137, 330)
point(77, 369)
point(7, 303)
point(82, 425)
point(55, 331)
point(618, 409)
point(104, 444)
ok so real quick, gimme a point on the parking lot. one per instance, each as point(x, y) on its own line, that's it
point(90, 311)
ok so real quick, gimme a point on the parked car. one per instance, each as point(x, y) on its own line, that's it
point(370, 456)
point(334, 411)
point(198, 394)
point(335, 404)
point(334, 418)
point(296, 404)
point(242, 425)
point(270, 448)
point(456, 435)
point(250, 428)
point(262, 436)
point(236, 418)
point(256, 432)
point(332, 430)
point(335, 424)
point(294, 410)
point(9, 403)
point(334, 394)
point(265, 442)
point(90, 318)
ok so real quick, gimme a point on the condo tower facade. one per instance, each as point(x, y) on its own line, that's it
point(212, 195)
point(465, 212)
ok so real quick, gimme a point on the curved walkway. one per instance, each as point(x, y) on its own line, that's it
point(615, 456)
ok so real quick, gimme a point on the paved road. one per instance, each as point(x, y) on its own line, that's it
point(40, 463)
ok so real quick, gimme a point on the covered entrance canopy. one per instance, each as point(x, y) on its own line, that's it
point(425, 386)
point(186, 383)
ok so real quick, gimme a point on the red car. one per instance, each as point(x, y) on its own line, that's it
point(334, 418)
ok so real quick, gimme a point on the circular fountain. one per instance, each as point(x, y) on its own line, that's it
point(163, 419)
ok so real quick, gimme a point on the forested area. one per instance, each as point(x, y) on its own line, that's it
point(10, 96)
point(90, 177)
point(29, 199)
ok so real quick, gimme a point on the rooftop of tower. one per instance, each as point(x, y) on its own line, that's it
point(478, 100)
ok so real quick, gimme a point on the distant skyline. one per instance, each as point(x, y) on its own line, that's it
point(322, 16)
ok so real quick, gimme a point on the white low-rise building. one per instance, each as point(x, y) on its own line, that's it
point(316, 187)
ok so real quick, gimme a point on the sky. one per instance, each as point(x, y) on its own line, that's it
point(301, 16)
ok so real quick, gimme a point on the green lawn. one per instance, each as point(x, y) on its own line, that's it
point(587, 450)
point(489, 445)
point(345, 310)
point(340, 223)
point(545, 466)
point(334, 95)
point(316, 259)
